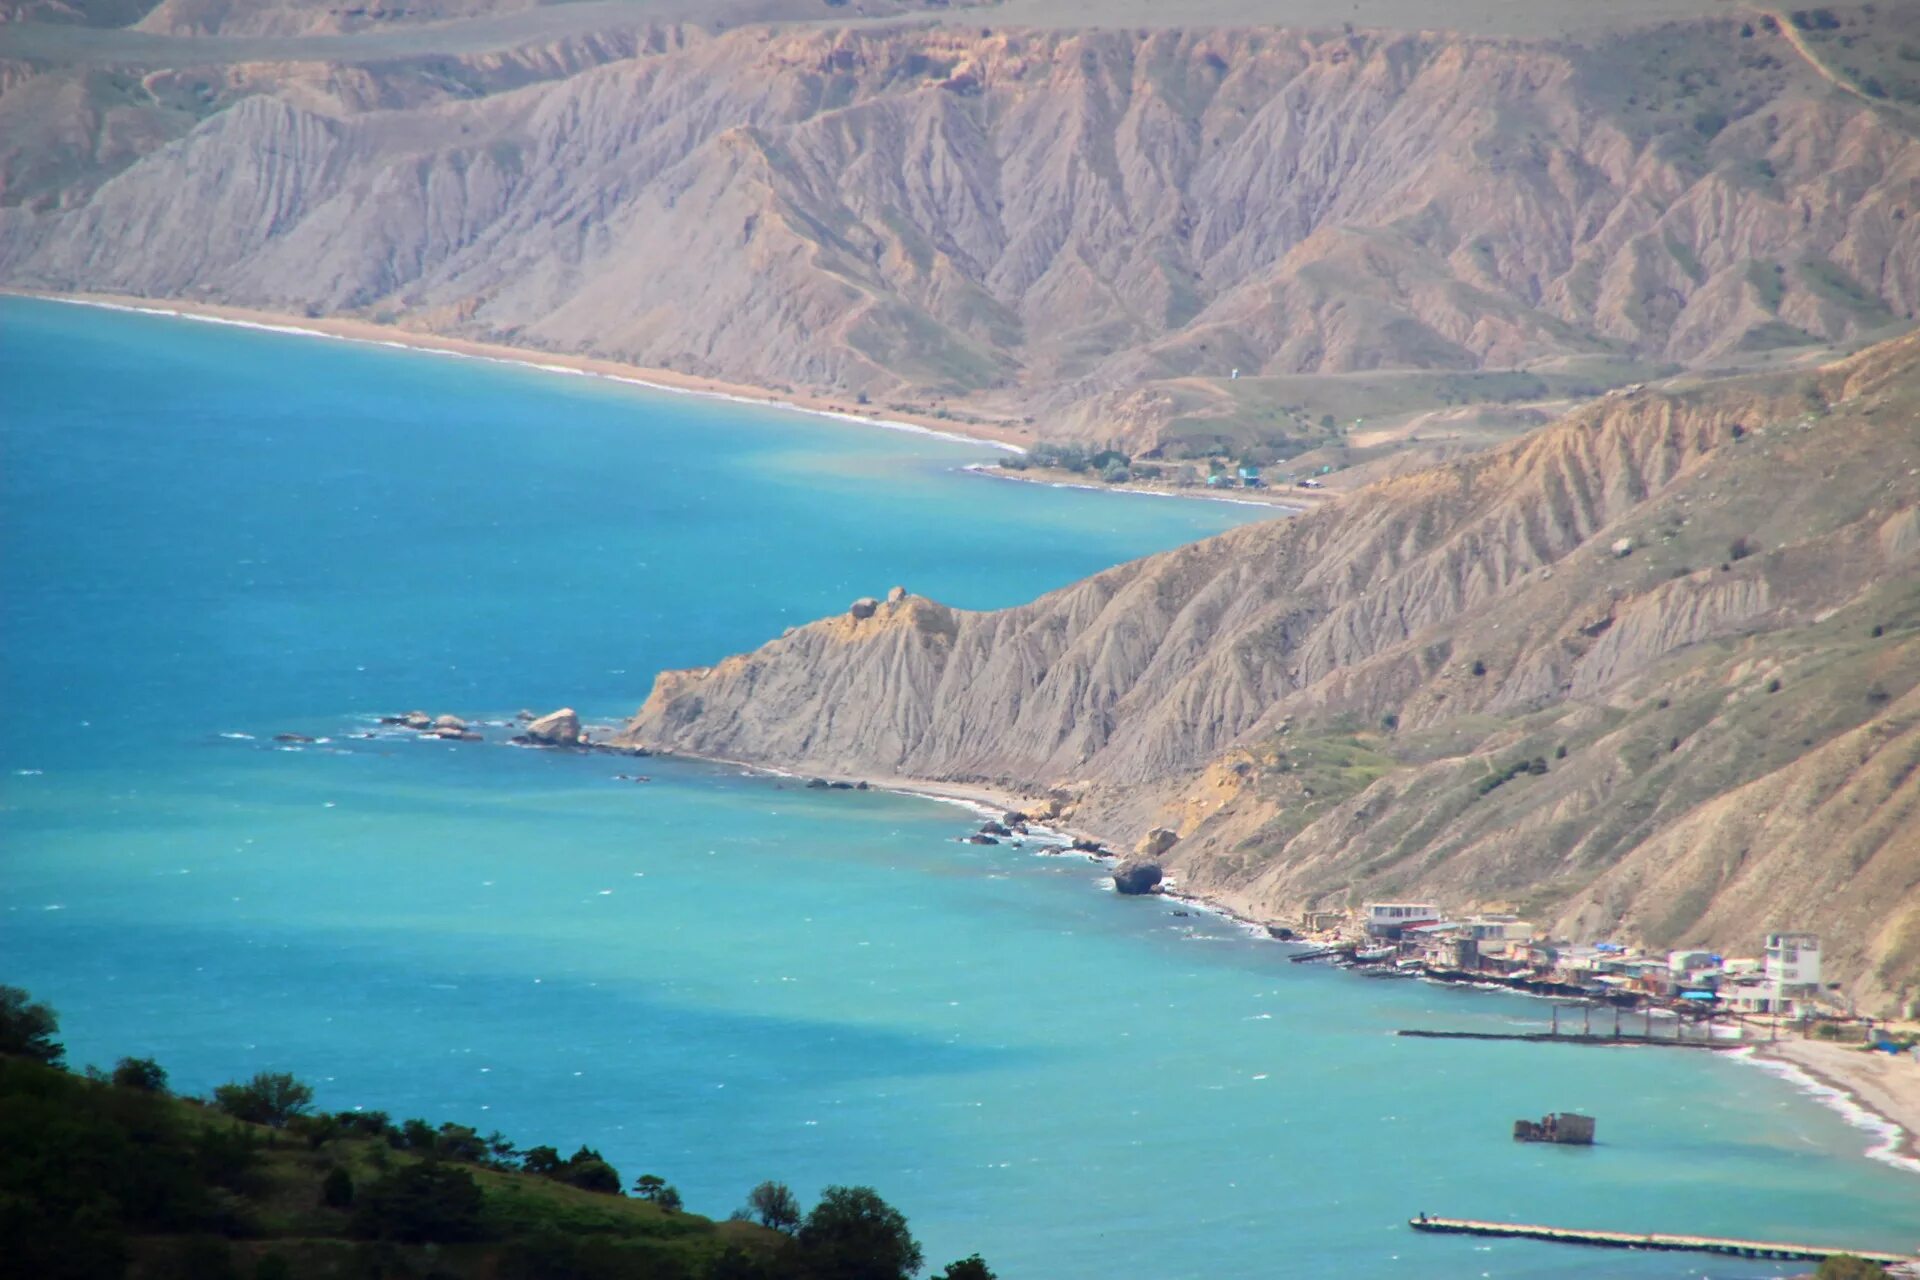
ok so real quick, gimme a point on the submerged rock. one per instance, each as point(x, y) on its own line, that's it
point(291, 737)
point(1135, 878)
point(556, 729)
point(980, 838)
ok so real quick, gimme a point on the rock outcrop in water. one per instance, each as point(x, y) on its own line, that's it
point(555, 729)
point(1449, 685)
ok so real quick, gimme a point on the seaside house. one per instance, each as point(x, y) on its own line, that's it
point(1391, 919)
point(1792, 961)
point(1684, 964)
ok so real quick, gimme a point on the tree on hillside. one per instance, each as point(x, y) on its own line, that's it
point(653, 1187)
point(143, 1074)
point(271, 1098)
point(774, 1205)
point(968, 1268)
point(27, 1028)
point(417, 1203)
point(852, 1234)
point(589, 1170)
point(544, 1161)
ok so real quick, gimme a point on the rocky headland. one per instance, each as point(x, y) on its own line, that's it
point(1651, 671)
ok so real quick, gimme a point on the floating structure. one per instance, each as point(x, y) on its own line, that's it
point(1570, 1037)
point(1564, 1127)
point(1653, 1241)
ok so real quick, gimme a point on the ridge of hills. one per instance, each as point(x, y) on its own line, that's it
point(1652, 670)
point(1082, 233)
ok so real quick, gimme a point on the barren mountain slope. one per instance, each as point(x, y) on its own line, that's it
point(1040, 223)
point(1652, 667)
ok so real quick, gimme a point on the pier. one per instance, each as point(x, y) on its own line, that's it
point(1677, 1244)
point(1574, 1037)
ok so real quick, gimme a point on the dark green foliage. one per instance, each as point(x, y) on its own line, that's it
point(417, 1203)
point(198, 1257)
point(1493, 781)
point(773, 1204)
point(317, 1131)
point(555, 1255)
point(270, 1098)
point(968, 1268)
point(143, 1074)
point(1740, 548)
point(544, 1161)
point(852, 1234)
point(415, 1135)
point(82, 1165)
point(1479, 667)
point(1844, 1266)
point(336, 1190)
point(589, 1170)
point(27, 1029)
point(97, 1178)
point(738, 1264)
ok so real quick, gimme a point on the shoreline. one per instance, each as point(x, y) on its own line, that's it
point(1052, 480)
point(371, 333)
point(1838, 1077)
point(1874, 1092)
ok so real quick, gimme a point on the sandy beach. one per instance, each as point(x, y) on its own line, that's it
point(992, 435)
point(1881, 1083)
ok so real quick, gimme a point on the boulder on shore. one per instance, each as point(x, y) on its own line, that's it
point(1083, 845)
point(864, 607)
point(1158, 841)
point(896, 595)
point(995, 829)
point(556, 729)
point(1136, 877)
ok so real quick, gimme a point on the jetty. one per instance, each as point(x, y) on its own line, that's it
point(1572, 1037)
point(1678, 1244)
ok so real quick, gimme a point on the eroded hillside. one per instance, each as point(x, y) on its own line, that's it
point(1653, 668)
point(1088, 231)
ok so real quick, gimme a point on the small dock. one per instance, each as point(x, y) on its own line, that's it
point(1677, 1244)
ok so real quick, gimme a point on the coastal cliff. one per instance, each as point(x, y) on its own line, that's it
point(1650, 669)
point(1084, 232)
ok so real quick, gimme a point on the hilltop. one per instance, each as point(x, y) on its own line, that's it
point(1650, 670)
point(1080, 231)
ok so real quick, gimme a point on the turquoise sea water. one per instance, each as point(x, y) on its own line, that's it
point(208, 531)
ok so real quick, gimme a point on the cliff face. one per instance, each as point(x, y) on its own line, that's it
point(1652, 668)
point(1042, 221)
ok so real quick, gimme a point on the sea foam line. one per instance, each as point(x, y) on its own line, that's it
point(528, 362)
point(1886, 1150)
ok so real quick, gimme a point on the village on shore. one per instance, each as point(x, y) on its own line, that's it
point(1692, 991)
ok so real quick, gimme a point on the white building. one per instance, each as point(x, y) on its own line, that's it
point(1793, 960)
point(1387, 919)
